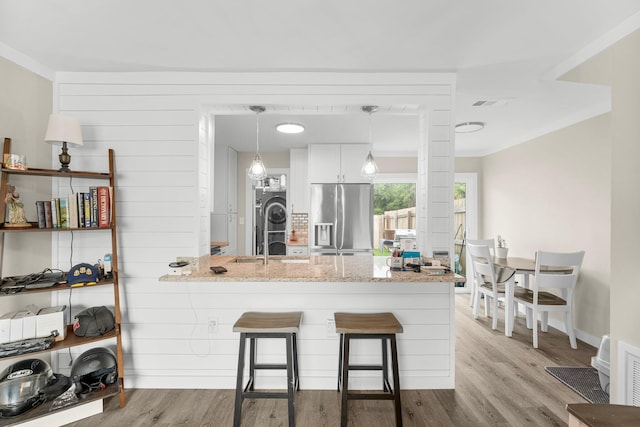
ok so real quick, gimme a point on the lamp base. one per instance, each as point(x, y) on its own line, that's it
point(65, 159)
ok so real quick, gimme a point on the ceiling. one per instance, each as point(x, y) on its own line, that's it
point(507, 53)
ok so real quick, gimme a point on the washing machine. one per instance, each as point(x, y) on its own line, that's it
point(270, 214)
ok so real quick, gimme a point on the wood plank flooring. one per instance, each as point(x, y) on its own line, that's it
point(500, 381)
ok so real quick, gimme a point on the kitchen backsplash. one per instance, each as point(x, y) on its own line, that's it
point(300, 223)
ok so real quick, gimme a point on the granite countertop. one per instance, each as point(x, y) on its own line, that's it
point(317, 269)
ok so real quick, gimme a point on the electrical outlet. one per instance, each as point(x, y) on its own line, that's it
point(331, 327)
point(213, 325)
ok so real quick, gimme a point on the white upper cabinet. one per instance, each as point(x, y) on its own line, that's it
point(336, 162)
point(232, 181)
point(352, 157)
point(298, 196)
point(225, 183)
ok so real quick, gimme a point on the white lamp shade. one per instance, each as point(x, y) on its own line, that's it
point(63, 129)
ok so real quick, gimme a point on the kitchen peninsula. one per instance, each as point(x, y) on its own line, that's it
point(320, 286)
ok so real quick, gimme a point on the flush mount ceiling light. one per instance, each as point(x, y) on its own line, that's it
point(290, 128)
point(469, 127)
point(257, 171)
point(370, 169)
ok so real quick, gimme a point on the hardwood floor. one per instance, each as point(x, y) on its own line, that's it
point(500, 381)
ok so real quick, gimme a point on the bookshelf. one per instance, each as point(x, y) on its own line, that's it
point(71, 339)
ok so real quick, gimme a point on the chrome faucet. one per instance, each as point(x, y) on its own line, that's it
point(265, 241)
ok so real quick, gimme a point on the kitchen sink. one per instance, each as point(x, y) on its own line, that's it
point(275, 259)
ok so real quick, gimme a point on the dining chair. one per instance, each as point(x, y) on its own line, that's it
point(492, 249)
point(552, 291)
point(491, 281)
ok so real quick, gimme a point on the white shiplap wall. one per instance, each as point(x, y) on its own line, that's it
point(154, 123)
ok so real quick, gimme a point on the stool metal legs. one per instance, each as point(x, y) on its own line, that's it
point(391, 393)
point(247, 391)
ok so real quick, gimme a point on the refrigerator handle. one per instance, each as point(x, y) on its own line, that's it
point(341, 216)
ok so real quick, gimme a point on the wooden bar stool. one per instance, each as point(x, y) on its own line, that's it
point(382, 326)
point(254, 325)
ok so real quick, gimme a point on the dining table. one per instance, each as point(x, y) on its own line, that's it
point(525, 267)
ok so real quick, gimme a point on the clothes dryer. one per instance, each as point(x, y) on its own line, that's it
point(270, 216)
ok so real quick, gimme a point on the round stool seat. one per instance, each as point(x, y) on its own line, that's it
point(264, 322)
point(367, 323)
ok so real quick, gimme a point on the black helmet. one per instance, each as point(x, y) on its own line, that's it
point(21, 386)
point(93, 370)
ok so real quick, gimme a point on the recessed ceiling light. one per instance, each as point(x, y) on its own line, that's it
point(290, 128)
point(468, 127)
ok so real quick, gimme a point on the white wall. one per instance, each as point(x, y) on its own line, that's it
point(25, 105)
point(553, 193)
point(619, 67)
point(152, 122)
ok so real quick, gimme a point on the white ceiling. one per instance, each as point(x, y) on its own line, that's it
point(506, 51)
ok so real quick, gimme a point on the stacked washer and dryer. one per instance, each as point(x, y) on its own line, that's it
point(270, 217)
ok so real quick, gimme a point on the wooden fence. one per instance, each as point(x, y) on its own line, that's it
point(392, 220)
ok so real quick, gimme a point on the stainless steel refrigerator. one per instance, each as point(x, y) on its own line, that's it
point(341, 219)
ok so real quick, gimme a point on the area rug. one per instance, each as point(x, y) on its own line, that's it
point(583, 381)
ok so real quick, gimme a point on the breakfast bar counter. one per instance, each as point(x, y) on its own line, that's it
point(208, 304)
point(303, 268)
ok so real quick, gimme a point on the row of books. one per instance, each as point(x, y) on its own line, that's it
point(91, 209)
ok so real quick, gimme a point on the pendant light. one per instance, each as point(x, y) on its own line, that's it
point(257, 171)
point(370, 169)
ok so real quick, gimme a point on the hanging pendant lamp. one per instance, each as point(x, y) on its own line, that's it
point(257, 171)
point(370, 169)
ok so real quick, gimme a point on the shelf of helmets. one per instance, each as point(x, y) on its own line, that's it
point(71, 339)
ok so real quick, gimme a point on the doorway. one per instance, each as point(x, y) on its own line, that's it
point(465, 199)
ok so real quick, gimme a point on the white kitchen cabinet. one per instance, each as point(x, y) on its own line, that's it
point(232, 181)
point(336, 162)
point(298, 195)
point(220, 189)
point(232, 234)
point(297, 250)
point(352, 157)
point(224, 218)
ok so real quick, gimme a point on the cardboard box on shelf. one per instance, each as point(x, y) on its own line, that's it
point(5, 327)
point(29, 326)
point(52, 319)
point(16, 325)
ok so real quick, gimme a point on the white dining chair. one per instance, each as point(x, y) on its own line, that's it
point(552, 291)
point(490, 281)
point(473, 283)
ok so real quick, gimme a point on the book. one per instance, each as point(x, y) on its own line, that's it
point(94, 206)
point(80, 209)
point(42, 222)
point(64, 212)
point(55, 213)
point(48, 216)
point(87, 209)
point(104, 207)
point(73, 211)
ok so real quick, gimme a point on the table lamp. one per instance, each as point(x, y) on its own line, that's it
point(63, 130)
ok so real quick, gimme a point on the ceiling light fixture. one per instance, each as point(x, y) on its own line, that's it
point(257, 171)
point(469, 127)
point(290, 128)
point(370, 169)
